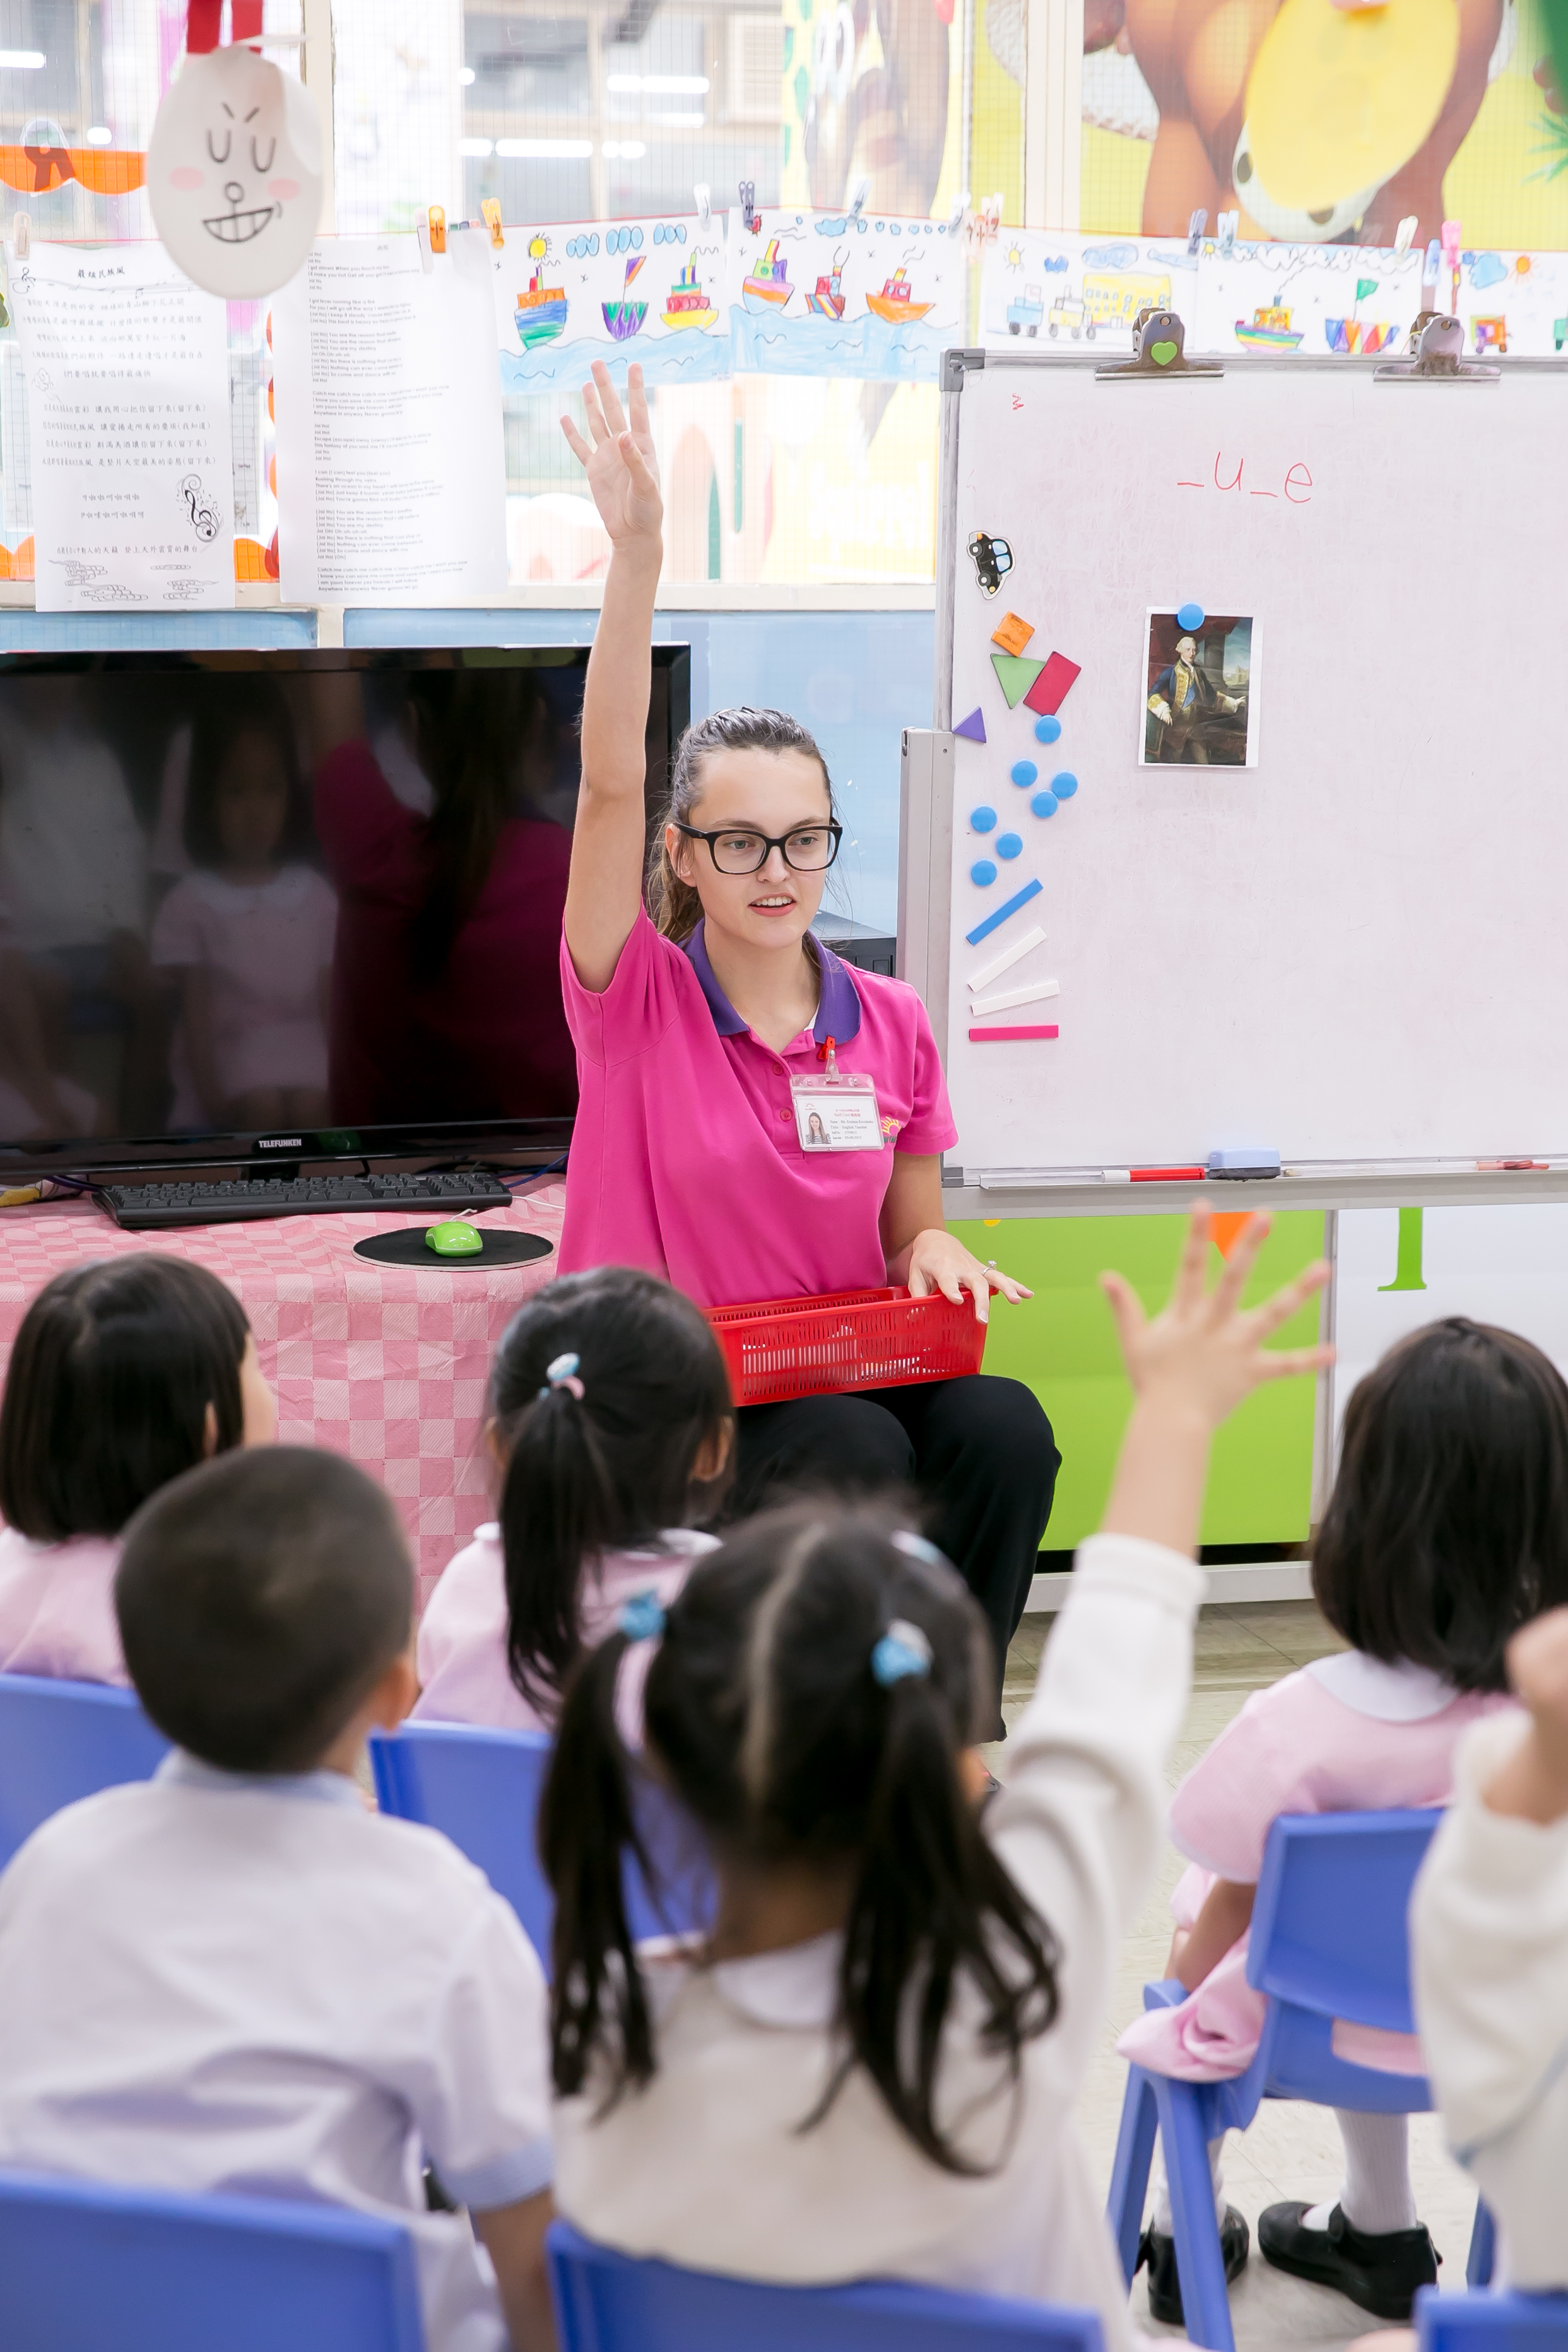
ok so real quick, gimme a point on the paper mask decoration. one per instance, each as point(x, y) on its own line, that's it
point(233, 172)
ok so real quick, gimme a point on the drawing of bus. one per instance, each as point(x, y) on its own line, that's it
point(1116, 301)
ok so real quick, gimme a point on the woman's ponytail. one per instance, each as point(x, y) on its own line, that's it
point(557, 1510)
point(588, 1823)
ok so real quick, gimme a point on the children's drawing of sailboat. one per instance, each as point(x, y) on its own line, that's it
point(828, 302)
point(893, 303)
point(689, 305)
point(623, 317)
point(1356, 333)
point(540, 313)
point(1271, 331)
point(768, 288)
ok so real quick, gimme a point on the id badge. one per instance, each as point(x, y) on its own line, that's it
point(837, 1112)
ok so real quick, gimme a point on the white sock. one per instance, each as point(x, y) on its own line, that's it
point(1161, 2217)
point(1376, 2197)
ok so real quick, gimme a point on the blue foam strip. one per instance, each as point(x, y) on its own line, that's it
point(1020, 898)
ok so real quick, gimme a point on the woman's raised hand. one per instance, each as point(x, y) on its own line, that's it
point(1201, 1352)
point(619, 459)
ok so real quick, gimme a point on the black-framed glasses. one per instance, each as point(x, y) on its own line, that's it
point(736, 849)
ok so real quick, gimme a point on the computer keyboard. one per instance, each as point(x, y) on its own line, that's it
point(152, 1207)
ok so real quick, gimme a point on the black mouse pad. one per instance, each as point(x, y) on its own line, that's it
point(409, 1247)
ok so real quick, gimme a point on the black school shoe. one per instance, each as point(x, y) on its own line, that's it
point(1381, 2273)
point(1159, 2252)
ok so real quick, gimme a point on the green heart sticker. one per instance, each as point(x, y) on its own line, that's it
point(1161, 354)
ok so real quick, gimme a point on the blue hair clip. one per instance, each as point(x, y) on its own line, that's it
point(902, 1650)
point(561, 1373)
point(643, 1617)
point(916, 1547)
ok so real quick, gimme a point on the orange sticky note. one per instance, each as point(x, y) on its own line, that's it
point(1011, 634)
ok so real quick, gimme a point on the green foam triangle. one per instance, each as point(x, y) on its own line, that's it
point(1015, 676)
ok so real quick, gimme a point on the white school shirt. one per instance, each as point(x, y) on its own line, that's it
point(707, 2166)
point(1488, 1946)
point(57, 1608)
point(462, 1652)
point(213, 1981)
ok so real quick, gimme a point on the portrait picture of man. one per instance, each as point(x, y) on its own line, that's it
point(1200, 696)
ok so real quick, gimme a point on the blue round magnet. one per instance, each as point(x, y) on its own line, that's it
point(1189, 617)
point(1044, 805)
point(983, 872)
point(982, 819)
point(1046, 730)
point(1064, 785)
point(1024, 773)
point(1008, 844)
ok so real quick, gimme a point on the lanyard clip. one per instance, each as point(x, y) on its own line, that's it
point(826, 1053)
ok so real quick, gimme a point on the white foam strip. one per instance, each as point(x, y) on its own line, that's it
point(1032, 938)
point(1011, 996)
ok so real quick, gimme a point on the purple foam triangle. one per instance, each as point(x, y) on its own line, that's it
point(974, 727)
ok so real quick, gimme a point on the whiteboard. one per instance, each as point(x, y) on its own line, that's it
point(1356, 951)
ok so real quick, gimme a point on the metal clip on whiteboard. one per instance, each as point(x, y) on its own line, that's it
point(1159, 347)
point(1437, 345)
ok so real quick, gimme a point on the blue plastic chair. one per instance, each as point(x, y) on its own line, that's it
point(482, 1789)
point(1328, 1940)
point(86, 2266)
point(606, 2302)
point(1491, 2323)
point(60, 1741)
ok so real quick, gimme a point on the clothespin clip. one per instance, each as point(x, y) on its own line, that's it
point(1226, 226)
point(1197, 223)
point(703, 195)
point(958, 212)
point(1404, 233)
point(491, 209)
point(748, 212)
point(1451, 259)
point(981, 227)
point(22, 236)
point(862, 192)
point(432, 234)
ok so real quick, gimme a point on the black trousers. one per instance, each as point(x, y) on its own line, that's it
point(978, 1451)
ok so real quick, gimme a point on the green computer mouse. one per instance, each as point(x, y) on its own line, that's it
point(456, 1238)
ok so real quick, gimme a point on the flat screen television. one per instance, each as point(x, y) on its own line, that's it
point(255, 901)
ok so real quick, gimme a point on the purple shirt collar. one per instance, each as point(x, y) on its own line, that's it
point(838, 1007)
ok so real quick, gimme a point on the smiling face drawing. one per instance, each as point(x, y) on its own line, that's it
point(233, 172)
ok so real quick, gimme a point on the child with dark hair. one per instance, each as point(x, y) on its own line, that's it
point(610, 1419)
point(124, 1373)
point(869, 2067)
point(236, 1978)
point(1446, 1531)
point(250, 928)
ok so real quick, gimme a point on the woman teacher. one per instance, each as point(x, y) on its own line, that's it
point(709, 1024)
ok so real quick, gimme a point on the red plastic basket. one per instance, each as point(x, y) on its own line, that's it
point(778, 1348)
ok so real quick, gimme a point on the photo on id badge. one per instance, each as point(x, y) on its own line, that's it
point(1199, 691)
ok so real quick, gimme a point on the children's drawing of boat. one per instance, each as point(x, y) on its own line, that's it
point(893, 303)
point(1358, 335)
point(625, 317)
point(828, 302)
point(1271, 331)
point(540, 313)
point(768, 288)
point(689, 306)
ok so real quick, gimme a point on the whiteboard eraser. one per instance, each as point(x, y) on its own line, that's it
point(1250, 1159)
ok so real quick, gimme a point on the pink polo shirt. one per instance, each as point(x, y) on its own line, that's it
point(684, 1158)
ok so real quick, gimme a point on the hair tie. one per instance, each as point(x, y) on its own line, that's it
point(916, 1547)
point(904, 1649)
point(562, 1374)
point(642, 1618)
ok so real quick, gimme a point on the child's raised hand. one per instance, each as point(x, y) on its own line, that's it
point(620, 461)
point(1202, 1354)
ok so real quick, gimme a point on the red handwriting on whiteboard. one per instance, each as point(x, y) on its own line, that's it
point(1227, 474)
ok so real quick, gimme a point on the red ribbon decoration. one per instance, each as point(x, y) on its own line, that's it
point(202, 23)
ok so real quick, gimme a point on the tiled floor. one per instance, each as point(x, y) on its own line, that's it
point(1291, 2150)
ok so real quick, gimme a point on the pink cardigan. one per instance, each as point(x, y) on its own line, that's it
point(57, 1608)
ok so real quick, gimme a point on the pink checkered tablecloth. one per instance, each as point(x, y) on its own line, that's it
point(384, 1363)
